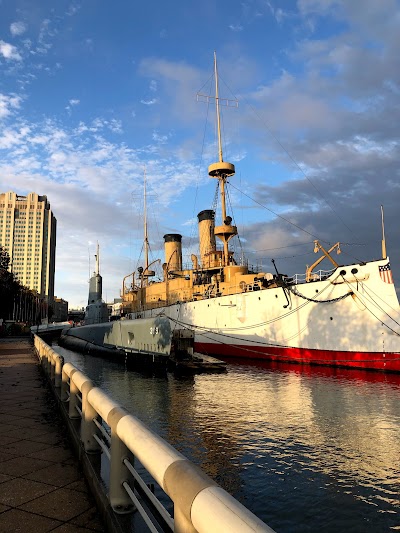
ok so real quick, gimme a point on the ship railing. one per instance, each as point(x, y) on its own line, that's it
point(184, 499)
point(319, 275)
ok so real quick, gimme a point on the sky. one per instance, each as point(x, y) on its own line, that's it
point(96, 95)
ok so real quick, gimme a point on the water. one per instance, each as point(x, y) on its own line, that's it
point(305, 449)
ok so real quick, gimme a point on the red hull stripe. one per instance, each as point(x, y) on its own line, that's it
point(389, 362)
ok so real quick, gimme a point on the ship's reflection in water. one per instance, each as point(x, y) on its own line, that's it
point(305, 449)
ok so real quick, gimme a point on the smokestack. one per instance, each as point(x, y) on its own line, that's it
point(173, 251)
point(206, 235)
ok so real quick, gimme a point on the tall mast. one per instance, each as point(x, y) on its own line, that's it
point(146, 240)
point(222, 170)
point(217, 109)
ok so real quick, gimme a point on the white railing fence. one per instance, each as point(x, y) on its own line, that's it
point(199, 504)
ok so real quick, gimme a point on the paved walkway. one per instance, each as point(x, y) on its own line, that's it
point(41, 486)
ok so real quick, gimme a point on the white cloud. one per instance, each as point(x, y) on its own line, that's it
point(9, 51)
point(236, 27)
point(72, 10)
point(8, 104)
point(153, 86)
point(149, 102)
point(74, 102)
point(17, 28)
point(159, 138)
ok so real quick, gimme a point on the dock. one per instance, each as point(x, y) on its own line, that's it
point(45, 487)
point(42, 487)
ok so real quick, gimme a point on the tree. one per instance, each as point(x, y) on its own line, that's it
point(4, 258)
point(8, 286)
point(17, 302)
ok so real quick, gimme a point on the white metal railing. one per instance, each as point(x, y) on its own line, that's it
point(200, 505)
point(315, 276)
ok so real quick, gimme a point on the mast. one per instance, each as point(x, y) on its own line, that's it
point(146, 239)
point(222, 170)
point(145, 273)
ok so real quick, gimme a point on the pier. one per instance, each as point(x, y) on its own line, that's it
point(135, 477)
point(42, 487)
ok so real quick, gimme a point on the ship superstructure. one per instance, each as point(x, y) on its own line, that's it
point(96, 310)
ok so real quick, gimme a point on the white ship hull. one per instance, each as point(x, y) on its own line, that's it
point(350, 318)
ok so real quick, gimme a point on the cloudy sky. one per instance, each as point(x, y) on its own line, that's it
point(92, 93)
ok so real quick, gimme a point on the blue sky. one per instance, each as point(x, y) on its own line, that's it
point(92, 92)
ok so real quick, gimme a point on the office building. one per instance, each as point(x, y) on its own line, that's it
point(28, 233)
point(60, 307)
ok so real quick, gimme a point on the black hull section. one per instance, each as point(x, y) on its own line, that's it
point(138, 360)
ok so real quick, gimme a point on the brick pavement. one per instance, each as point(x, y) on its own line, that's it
point(42, 487)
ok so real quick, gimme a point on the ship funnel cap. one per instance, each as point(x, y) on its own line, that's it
point(207, 214)
point(172, 237)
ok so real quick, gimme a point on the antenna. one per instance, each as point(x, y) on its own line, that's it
point(384, 255)
point(97, 256)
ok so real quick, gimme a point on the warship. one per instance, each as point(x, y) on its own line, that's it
point(347, 316)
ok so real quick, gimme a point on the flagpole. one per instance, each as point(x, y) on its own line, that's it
point(384, 255)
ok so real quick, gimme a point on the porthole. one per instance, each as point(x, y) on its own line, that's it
point(331, 318)
point(354, 270)
point(342, 272)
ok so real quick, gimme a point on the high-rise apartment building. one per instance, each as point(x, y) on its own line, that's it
point(28, 233)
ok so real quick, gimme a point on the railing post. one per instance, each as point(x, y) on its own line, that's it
point(88, 427)
point(52, 365)
point(58, 371)
point(47, 361)
point(119, 473)
point(64, 383)
point(73, 397)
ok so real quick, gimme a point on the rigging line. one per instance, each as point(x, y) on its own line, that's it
point(234, 220)
point(352, 256)
point(279, 216)
point(291, 256)
point(267, 322)
point(199, 170)
point(204, 84)
point(307, 242)
point(211, 332)
point(253, 326)
point(280, 247)
point(215, 199)
point(373, 314)
point(377, 304)
point(262, 120)
point(377, 296)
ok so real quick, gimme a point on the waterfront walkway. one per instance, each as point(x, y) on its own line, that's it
point(41, 485)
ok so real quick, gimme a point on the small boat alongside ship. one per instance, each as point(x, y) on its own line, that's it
point(347, 317)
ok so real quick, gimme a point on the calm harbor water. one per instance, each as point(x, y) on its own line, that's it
point(305, 449)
